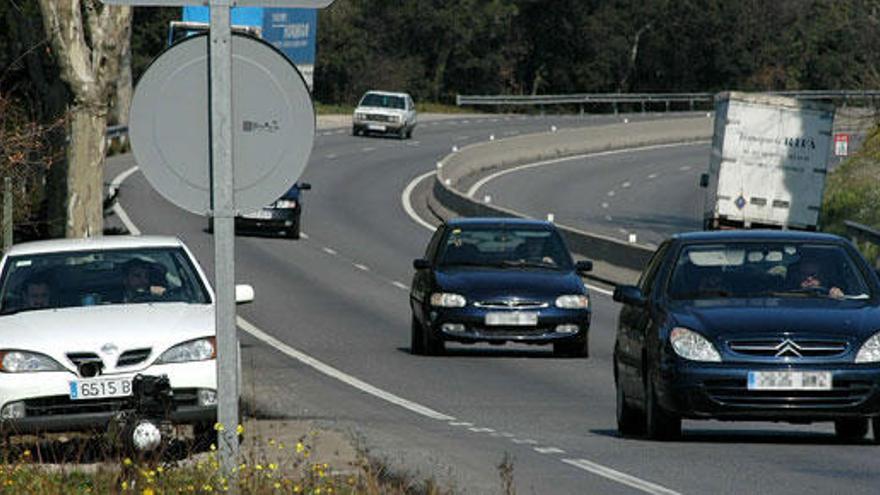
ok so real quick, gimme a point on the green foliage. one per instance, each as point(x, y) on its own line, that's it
point(852, 192)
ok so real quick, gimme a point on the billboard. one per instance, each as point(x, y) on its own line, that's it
point(292, 31)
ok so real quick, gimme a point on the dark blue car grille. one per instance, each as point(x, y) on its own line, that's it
point(736, 393)
point(789, 348)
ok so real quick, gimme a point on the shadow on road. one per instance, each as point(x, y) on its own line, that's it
point(500, 352)
point(735, 436)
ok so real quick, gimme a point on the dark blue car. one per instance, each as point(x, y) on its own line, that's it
point(499, 280)
point(282, 217)
point(750, 325)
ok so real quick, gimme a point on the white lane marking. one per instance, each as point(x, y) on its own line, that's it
point(332, 156)
point(626, 479)
point(352, 381)
point(400, 285)
point(611, 194)
point(406, 200)
point(339, 375)
point(652, 176)
point(684, 168)
point(481, 430)
point(548, 450)
point(362, 267)
point(117, 208)
point(461, 138)
point(303, 235)
point(330, 251)
point(625, 185)
point(368, 148)
point(473, 190)
point(507, 435)
point(460, 423)
point(526, 441)
point(608, 218)
point(604, 205)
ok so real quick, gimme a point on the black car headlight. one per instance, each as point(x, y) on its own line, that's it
point(448, 300)
point(693, 346)
point(285, 203)
point(870, 350)
point(193, 350)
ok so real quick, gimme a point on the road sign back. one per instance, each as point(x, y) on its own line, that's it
point(273, 124)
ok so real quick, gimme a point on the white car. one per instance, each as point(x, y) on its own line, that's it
point(386, 113)
point(79, 319)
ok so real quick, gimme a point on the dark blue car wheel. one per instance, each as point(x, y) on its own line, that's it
point(417, 339)
point(852, 429)
point(630, 421)
point(875, 425)
point(659, 424)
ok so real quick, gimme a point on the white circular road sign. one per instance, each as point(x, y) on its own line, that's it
point(273, 124)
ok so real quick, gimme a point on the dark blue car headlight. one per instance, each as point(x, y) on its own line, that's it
point(870, 350)
point(693, 346)
point(573, 301)
point(448, 300)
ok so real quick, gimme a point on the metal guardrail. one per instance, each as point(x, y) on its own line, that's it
point(117, 131)
point(860, 232)
point(645, 98)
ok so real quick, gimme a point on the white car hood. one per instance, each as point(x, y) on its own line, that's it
point(381, 111)
point(98, 329)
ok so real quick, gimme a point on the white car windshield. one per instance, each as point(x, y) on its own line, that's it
point(384, 101)
point(101, 277)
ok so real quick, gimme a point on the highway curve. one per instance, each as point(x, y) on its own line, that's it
point(332, 317)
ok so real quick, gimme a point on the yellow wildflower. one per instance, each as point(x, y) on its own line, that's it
point(259, 467)
point(273, 466)
point(239, 430)
point(126, 461)
point(149, 491)
point(26, 453)
point(300, 447)
point(219, 427)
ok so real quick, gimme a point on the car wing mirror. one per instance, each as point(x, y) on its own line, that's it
point(244, 293)
point(304, 186)
point(629, 294)
point(583, 266)
point(421, 264)
point(704, 180)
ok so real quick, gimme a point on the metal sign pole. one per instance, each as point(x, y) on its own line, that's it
point(223, 204)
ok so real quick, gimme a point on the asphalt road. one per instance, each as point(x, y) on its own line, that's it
point(339, 296)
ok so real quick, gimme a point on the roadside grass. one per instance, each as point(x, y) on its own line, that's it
point(272, 467)
point(852, 192)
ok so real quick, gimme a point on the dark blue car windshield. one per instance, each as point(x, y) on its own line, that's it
point(505, 247)
point(767, 269)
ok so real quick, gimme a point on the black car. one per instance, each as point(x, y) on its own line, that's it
point(281, 217)
point(499, 280)
point(750, 325)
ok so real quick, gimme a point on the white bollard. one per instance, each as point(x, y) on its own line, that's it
point(552, 128)
point(708, 114)
point(626, 121)
point(454, 148)
point(487, 199)
point(551, 217)
point(448, 182)
point(632, 238)
point(491, 137)
point(439, 165)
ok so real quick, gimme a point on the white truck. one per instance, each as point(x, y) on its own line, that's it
point(769, 162)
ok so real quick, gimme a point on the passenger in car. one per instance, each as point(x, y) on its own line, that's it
point(37, 292)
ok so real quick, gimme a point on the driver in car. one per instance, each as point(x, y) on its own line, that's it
point(811, 276)
point(138, 283)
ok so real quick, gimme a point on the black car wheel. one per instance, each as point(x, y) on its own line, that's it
point(577, 348)
point(852, 429)
point(659, 424)
point(875, 425)
point(430, 344)
point(630, 421)
point(402, 133)
point(409, 133)
point(417, 340)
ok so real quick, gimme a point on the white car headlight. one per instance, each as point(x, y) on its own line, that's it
point(360, 116)
point(194, 350)
point(285, 203)
point(870, 350)
point(26, 362)
point(693, 346)
point(573, 301)
point(447, 300)
point(397, 118)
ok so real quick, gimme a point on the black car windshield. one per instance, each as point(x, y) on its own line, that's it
point(384, 101)
point(766, 269)
point(505, 247)
point(101, 277)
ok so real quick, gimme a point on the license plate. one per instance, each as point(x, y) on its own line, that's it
point(376, 127)
point(512, 318)
point(259, 215)
point(100, 388)
point(789, 380)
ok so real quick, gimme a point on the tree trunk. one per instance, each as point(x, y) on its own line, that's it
point(124, 83)
point(85, 191)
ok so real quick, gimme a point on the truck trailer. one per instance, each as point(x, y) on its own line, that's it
point(769, 162)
